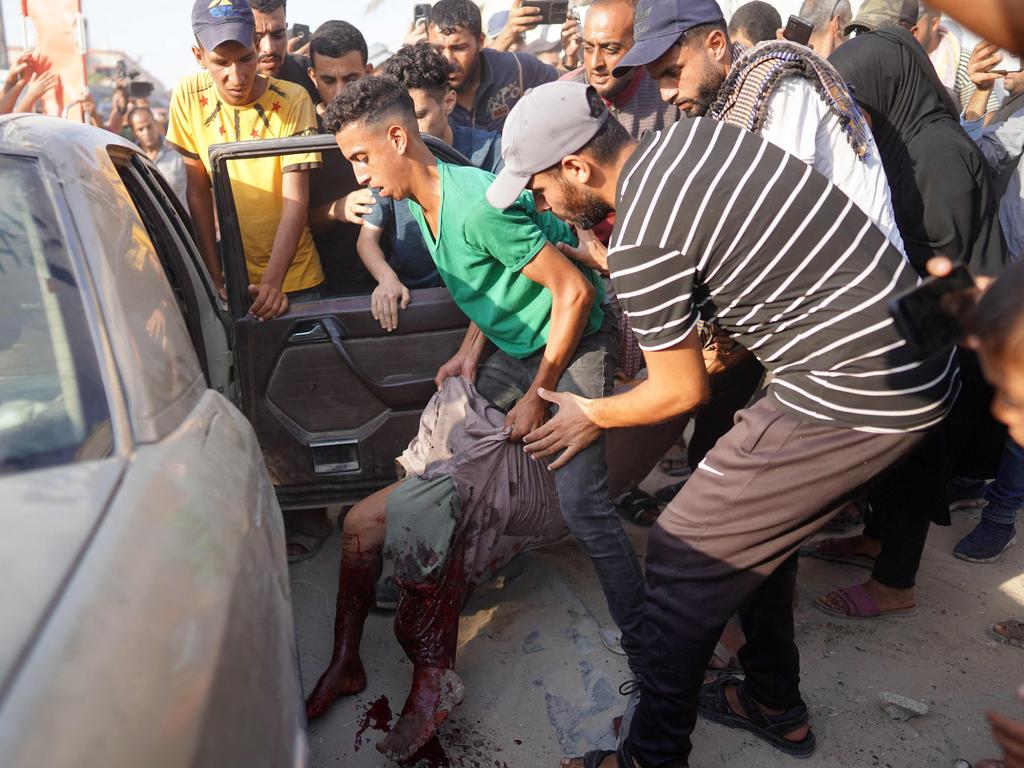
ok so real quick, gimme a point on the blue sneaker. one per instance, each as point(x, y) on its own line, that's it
point(986, 542)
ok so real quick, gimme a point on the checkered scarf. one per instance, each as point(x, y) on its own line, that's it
point(756, 74)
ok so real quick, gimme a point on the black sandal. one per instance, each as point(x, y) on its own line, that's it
point(714, 706)
point(638, 507)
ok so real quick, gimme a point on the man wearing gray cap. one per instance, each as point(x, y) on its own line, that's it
point(715, 223)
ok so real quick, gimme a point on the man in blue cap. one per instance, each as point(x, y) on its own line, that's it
point(802, 107)
point(230, 101)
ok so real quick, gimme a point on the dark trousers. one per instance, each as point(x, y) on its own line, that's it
point(726, 544)
point(906, 502)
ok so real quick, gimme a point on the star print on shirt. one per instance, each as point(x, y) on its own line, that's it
point(275, 107)
point(203, 101)
point(223, 131)
point(255, 134)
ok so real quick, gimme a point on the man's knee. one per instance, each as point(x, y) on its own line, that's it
point(364, 518)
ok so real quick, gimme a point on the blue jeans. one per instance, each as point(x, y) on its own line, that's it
point(1005, 496)
point(582, 484)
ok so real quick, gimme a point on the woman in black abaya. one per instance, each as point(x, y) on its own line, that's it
point(945, 205)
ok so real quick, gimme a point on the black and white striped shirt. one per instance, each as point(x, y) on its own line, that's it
point(713, 222)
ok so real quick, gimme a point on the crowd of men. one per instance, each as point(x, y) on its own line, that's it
point(712, 214)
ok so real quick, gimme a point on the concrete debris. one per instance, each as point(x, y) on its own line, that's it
point(900, 707)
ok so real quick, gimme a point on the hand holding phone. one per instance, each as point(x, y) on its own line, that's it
point(1008, 65)
point(798, 30)
point(931, 316)
point(550, 11)
point(421, 12)
point(298, 35)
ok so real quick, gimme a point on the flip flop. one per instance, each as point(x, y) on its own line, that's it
point(714, 706)
point(1015, 631)
point(860, 605)
point(815, 551)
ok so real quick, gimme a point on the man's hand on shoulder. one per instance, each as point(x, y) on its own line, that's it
point(351, 208)
point(591, 252)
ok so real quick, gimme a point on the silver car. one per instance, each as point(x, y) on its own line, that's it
point(145, 617)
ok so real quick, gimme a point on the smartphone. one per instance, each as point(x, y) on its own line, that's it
point(930, 316)
point(421, 12)
point(550, 12)
point(798, 30)
point(300, 31)
point(140, 89)
point(1010, 63)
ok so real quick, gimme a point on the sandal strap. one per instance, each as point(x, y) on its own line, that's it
point(1014, 629)
point(776, 725)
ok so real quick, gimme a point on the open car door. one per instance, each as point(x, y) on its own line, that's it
point(333, 397)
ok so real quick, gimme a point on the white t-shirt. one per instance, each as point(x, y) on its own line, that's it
point(799, 121)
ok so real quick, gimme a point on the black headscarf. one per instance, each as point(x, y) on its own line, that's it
point(941, 191)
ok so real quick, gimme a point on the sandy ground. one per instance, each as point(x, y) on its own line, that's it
point(541, 684)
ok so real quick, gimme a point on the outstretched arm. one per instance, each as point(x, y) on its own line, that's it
point(677, 382)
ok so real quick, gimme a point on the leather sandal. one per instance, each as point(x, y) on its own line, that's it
point(714, 706)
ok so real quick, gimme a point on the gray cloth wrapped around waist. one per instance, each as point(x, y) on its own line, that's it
point(465, 479)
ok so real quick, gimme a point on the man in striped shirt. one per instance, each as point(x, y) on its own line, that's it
point(714, 222)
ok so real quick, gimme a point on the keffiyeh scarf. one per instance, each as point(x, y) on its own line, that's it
point(755, 75)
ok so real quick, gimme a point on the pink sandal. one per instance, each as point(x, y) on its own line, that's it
point(858, 604)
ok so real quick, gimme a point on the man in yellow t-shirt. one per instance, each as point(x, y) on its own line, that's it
point(230, 101)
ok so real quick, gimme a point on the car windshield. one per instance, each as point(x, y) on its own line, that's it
point(52, 406)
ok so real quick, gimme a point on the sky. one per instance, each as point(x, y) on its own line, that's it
point(159, 34)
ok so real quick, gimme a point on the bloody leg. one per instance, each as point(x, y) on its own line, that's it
point(427, 626)
point(361, 543)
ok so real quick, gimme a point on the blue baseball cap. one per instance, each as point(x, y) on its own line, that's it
point(220, 21)
point(658, 24)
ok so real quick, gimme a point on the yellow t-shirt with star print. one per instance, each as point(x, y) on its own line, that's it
point(198, 119)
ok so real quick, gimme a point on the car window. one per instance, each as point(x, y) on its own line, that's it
point(169, 249)
point(53, 408)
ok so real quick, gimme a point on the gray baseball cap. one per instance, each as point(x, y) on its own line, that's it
point(549, 122)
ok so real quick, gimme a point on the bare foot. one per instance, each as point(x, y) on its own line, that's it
point(345, 679)
point(733, 697)
point(434, 694)
point(886, 598)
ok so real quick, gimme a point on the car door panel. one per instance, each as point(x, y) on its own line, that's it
point(332, 396)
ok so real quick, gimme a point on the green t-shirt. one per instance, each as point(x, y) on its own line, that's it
point(481, 251)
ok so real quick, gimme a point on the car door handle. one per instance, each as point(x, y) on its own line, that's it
point(313, 331)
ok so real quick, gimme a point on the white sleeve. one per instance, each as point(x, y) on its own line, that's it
point(794, 113)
